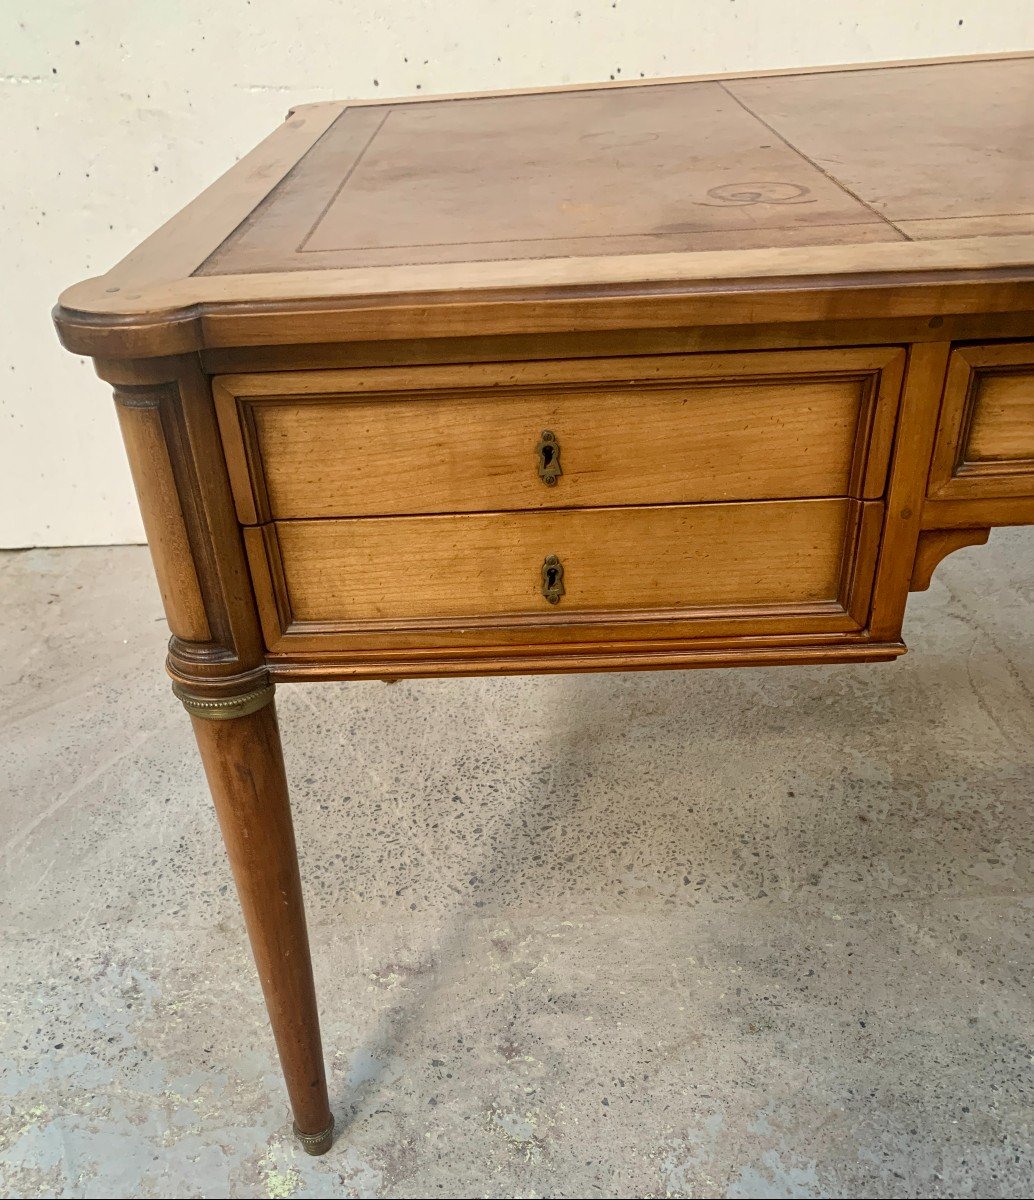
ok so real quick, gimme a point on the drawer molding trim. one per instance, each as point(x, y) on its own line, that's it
point(984, 447)
point(846, 611)
point(673, 655)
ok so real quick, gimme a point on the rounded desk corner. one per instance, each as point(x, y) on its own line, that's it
point(91, 326)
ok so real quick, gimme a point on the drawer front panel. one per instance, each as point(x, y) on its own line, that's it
point(985, 437)
point(675, 429)
point(669, 559)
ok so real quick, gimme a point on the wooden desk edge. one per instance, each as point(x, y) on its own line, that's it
point(500, 312)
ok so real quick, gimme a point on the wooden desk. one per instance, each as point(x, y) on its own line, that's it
point(672, 374)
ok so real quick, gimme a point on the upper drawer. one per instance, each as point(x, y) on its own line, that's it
point(985, 436)
point(651, 430)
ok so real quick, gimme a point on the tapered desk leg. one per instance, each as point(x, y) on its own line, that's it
point(240, 746)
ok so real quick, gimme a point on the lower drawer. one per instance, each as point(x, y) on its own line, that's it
point(321, 578)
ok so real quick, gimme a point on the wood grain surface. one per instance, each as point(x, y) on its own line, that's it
point(634, 431)
point(668, 557)
point(244, 766)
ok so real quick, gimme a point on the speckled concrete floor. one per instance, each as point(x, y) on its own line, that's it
point(734, 933)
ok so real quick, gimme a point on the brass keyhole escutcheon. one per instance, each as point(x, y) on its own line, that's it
point(548, 451)
point(553, 579)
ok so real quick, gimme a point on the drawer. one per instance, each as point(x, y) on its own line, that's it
point(670, 562)
point(663, 429)
point(985, 435)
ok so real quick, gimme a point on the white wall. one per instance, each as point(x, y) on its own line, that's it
point(117, 112)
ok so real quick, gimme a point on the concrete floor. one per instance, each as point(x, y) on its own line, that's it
point(729, 933)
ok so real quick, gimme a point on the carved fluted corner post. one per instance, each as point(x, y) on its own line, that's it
point(216, 660)
point(140, 419)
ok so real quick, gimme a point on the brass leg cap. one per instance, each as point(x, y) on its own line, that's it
point(316, 1143)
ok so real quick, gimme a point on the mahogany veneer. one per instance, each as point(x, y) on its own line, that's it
point(685, 373)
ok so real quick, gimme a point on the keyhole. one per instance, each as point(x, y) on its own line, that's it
point(548, 451)
point(552, 579)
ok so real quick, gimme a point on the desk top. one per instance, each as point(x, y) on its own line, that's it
point(909, 173)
